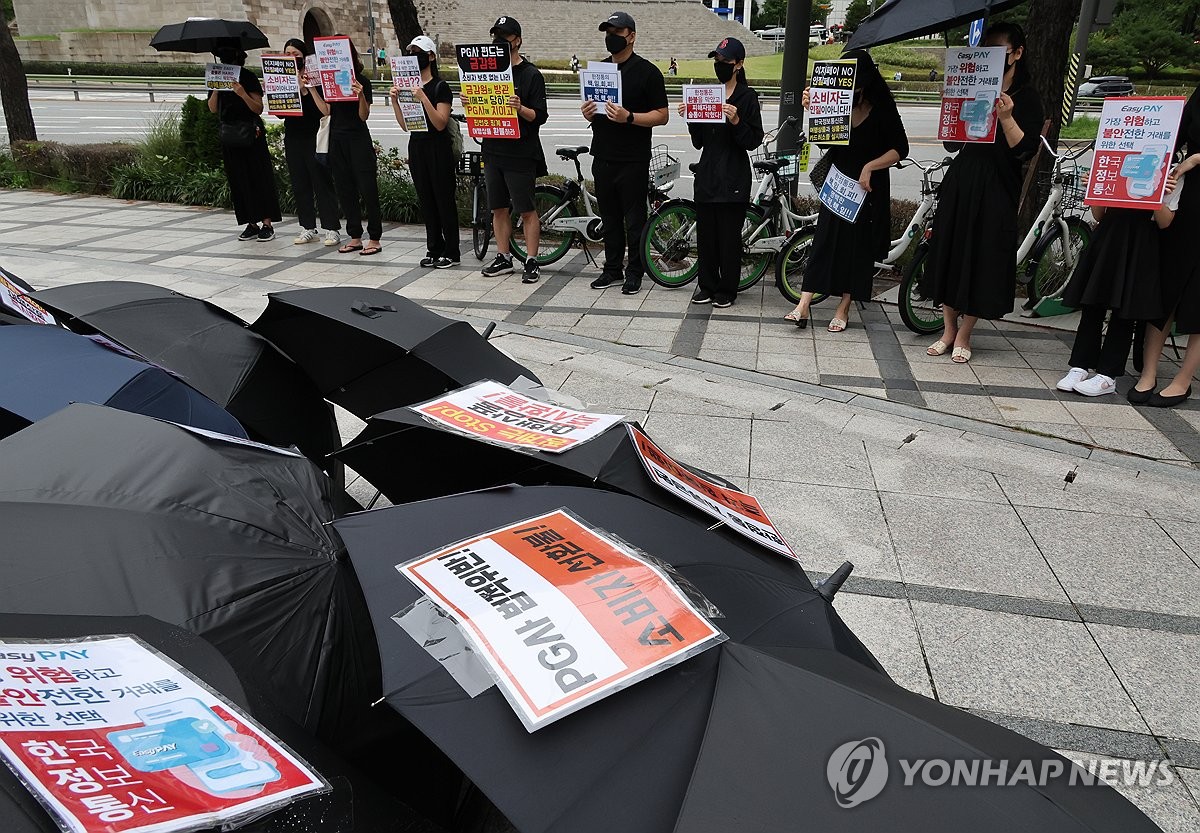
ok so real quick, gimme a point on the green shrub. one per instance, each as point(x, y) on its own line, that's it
point(397, 196)
point(163, 136)
point(71, 168)
point(198, 129)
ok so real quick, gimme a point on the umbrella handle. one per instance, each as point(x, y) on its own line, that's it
point(488, 330)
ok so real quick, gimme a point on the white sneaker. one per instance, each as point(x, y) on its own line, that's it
point(1098, 385)
point(306, 236)
point(332, 238)
point(1074, 376)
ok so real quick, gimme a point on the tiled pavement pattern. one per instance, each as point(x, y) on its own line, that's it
point(1069, 611)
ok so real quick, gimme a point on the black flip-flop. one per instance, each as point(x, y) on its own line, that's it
point(371, 250)
point(349, 247)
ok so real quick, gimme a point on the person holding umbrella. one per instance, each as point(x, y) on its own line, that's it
point(244, 149)
point(309, 176)
point(972, 263)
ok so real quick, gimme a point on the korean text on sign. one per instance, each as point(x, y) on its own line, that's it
point(486, 74)
point(704, 103)
point(831, 102)
point(601, 84)
point(114, 738)
point(1134, 143)
point(490, 411)
point(335, 65)
point(221, 76)
point(281, 85)
point(843, 196)
point(973, 81)
point(13, 297)
point(562, 614)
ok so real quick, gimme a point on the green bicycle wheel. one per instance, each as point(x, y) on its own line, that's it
point(919, 314)
point(754, 264)
point(549, 202)
point(1053, 269)
point(792, 263)
point(669, 244)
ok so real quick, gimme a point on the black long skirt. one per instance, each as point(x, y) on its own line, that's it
point(1179, 265)
point(843, 255)
point(1119, 269)
point(251, 182)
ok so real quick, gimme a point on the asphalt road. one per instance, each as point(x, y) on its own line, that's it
point(106, 117)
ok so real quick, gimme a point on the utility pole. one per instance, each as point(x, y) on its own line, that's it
point(1093, 14)
point(795, 73)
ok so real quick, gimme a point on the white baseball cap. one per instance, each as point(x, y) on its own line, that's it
point(424, 43)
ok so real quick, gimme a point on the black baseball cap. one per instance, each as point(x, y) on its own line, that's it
point(731, 49)
point(506, 26)
point(619, 20)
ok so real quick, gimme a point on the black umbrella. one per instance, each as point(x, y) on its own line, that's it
point(214, 350)
point(208, 34)
point(733, 727)
point(49, 367)
point(354, 804)
point(901, 19)
point(369, 350)
point(110, 513)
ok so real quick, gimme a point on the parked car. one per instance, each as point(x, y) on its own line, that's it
point(778, 33)
point(1105, 86)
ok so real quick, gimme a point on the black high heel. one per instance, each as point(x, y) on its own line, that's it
point(802, 323)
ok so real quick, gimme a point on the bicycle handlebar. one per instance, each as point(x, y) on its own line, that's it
point(1067, 154)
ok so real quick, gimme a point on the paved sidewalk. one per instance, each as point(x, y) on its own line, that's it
point(1014, 555)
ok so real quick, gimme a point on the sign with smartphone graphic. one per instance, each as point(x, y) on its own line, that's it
point(335, 65)
point(1134, 144)
point(113, 737)
point(973, 82)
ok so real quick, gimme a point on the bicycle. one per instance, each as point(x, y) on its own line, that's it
point(470, 164)
point(1051, 260)
point(569, 213)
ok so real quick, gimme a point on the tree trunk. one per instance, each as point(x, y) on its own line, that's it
point(404, 21)
point(14, 89)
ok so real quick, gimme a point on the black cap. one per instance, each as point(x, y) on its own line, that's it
point(731, 49)
point(506, 26)
point(619, 20)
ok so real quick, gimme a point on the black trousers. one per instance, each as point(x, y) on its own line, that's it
point(431, 164)
point(621, 189)
point(1104, 352)
point(354, 175)
point(310, 177)
point(719, 247)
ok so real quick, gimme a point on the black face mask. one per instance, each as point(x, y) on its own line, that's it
point(615, 43)
point(723, 70)
point(422, 59)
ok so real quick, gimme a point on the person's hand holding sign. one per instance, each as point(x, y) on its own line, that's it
point(419, 94)
point(616, 112)
point(588, 108)
point(1004, 107)
point(681, 109)
point(731, 112)
point(804, 98)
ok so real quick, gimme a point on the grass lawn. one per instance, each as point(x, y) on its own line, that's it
point(1083, 127)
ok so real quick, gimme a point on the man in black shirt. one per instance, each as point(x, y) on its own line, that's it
point(621, 152)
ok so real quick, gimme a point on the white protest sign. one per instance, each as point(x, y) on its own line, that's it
point(704, 103)
point(406, 77)
point(831, 102)
point(1134, 144)
point(335, 65)
point(842, 195)
point(13, 297)
point(221, 76)
point(406, 72)
point(601, 84)
point(971, 88)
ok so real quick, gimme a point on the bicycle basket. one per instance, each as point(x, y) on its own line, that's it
point(664, 167)
point(470, 163)
point(1074, 186)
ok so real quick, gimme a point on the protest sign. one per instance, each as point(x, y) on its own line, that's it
point(1134, 144)
point(973, 82)
point(704, 103)
point(561, 613)
point(485, 70)
point(281, 85)
point(221, 76)
point(406, 72)
point(335, 66)
point(601, 84)
point(490, 411)
point(830, 102)
point(113, 737)
point(406, 77)
point(312, 71)
point(739, 511)
point(15, 299)
point(842, 195)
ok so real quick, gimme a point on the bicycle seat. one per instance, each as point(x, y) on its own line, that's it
point(768, 166)
point(571, 153)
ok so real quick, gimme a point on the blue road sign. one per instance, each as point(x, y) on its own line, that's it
point(975, 32)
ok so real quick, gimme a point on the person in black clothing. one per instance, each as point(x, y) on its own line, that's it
point(307, 174)
point(723, 178)
point(355, 170)
point(842, 259)
point(431, 158)
point(972, 265)
point(247, 163)
point(621, 137)
point(511, 166)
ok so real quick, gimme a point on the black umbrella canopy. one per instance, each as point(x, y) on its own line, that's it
point(214, 350)
point(901, 19)
point(110, 513)
point(353, 805)
point(717, 743)
point(369, 350)
point(208, 34)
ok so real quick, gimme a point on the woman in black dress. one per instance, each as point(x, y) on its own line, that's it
point(309, 176)
point(244, 150)
point(972, 265)
point(842, 261)
point(1180, 268)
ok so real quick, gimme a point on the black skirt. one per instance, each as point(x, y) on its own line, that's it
point(1179, 266)
point(842, 258)
point(251, 182)
point(1119, 269)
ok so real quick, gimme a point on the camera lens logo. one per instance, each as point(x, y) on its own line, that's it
point(857, 771)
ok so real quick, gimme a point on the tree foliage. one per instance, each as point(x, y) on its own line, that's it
point(855, 13)
point(1149, 34)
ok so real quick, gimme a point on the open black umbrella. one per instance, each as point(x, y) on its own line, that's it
point(208, 34)
point(901, 19)
point(369, 350)
point(716, 743)
point(49, 368)
point(214, 350)
point(110, 513)
point(355, 805)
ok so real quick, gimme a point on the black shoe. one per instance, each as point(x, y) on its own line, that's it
point(428, 262)
point(1160, 401)
point(1139, 397)
point(446, 262)
point(531, 273)
point(250, 232)
point(501, 265)
point(266, 233)
point(722, 303)
point(802, 323)
point(701, 297)
point(631, 287)
point(606, 280)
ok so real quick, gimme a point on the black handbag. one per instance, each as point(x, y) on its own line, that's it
point(237, 134)
point(821, 170)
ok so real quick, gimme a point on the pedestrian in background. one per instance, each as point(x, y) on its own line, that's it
point(722, 189)
point(621, 136)
point(309, 177)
